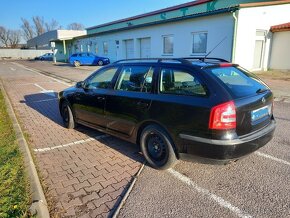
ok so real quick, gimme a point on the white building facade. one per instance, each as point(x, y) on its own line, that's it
point(192, 30)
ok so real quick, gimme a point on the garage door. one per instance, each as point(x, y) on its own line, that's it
point(145, 48)
point(129, 46)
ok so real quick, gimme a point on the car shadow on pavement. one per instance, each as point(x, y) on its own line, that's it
point(47, 105)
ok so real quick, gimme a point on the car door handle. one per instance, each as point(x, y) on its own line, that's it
point(101, 98)
point(142, 104)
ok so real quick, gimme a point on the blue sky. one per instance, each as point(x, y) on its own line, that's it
point(87, 12)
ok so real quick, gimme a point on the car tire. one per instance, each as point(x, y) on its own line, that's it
point(77, 63)
point(100, 63)
point(67, 116)
point(157, 148)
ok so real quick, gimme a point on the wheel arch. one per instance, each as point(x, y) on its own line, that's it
point(61, 101)
point(143, 125)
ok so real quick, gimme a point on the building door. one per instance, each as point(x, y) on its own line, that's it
point(129, 48)
point(259, 50)
point(145, 48)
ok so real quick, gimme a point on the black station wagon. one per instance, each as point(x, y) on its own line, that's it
point(207, 109)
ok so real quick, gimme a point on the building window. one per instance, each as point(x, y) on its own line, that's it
point(199, 42)
point(168, 45)
point(105, 47)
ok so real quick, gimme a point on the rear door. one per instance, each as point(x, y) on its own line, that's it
point(252, 97)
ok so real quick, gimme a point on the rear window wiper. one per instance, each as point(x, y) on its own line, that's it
point(261, 90)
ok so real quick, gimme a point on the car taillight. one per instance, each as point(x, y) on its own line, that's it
point(223, 116)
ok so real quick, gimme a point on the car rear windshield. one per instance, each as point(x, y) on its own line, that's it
point(238, 81)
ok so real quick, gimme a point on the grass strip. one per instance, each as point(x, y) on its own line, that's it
point(14, 187)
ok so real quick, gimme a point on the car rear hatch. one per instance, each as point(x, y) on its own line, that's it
point(253, 99)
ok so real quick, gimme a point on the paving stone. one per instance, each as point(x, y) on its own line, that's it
point(106, 190)
point(90, 197)
point(100, 212)
point(84, 184)
point(79, 193)
point(102, 200)
point(96, 187)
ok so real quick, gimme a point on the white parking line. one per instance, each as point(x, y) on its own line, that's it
point(48, 92)
point(72, 143)
point(208, 194)
point(272, 158)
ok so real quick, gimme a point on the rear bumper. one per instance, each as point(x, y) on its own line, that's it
point(226, 150)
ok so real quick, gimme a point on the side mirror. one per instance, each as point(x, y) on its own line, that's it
point(80, 84)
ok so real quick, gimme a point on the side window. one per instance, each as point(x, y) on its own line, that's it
point(180, 82)
point(136, 79)
point(105, 48)
point(102, 79)
point(74, 55)
point(168, 45)
point(199, 42)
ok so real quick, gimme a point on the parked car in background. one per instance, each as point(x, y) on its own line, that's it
point(45, 57)
point(206, 109)
point(87, 58)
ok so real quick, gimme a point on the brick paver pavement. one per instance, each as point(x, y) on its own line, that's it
point(85, 172)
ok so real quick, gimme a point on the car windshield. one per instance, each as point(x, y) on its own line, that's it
point(238, 81)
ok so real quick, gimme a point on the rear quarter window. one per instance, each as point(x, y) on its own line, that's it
point(239, 82)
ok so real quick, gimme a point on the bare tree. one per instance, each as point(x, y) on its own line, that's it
point(52, 25)
point(4, 35)
point(39, 25)
point(27, 29)
point(14, 37)
point(75, 26)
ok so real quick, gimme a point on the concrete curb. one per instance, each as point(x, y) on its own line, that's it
point(117, 211)
point(39, 204)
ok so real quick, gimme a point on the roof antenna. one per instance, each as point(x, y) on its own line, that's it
point(214, 48)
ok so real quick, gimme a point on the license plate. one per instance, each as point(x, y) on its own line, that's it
point(260, 113)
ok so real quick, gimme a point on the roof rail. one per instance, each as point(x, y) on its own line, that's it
point(184, 60)
point(158, 60)
point(203, 59)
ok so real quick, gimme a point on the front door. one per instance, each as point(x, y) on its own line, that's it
point(90, 100)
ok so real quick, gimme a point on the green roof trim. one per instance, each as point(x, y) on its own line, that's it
point(179, 12)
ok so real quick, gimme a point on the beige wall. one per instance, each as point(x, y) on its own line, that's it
point(21, 53)
point(249, 21)
point(280, 52)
